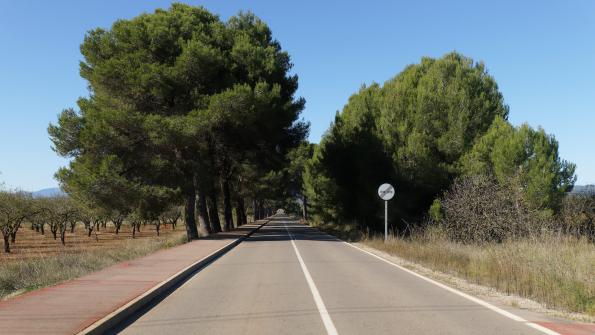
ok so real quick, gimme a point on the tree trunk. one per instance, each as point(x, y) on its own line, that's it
point(213, 213)
point(189, 219)
point(203, 215)
point(243, 209)
point(227, 206)
point(261, 213)
point(238, 213)
point(305, 207)
point(42, 229)
point(63, 235)
point(72, 225)
point(157, 226)
point(13, 234)
point(6, 243)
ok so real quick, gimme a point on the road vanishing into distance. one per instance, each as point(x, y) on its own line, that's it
point(288, 278)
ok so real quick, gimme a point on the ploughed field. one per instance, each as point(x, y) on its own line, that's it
point(32, 244)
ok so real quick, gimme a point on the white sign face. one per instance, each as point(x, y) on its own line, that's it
point(386, 191)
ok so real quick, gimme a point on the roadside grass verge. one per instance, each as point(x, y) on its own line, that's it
point(19, 276)
point(556, 271)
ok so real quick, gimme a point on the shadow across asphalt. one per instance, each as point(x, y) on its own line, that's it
point(277, 230)
point(285, 229)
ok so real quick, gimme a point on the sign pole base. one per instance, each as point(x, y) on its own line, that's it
point(385, 221)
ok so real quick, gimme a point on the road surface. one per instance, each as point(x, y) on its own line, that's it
point(288, 278)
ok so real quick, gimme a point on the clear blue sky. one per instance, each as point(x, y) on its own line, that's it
point(542, 54)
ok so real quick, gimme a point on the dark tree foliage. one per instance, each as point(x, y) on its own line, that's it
point(350, 163)
point(179, 102)
point(529, 155)
point(411, 132)
point(298, 159)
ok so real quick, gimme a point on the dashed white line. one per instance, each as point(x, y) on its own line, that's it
point(326, 318)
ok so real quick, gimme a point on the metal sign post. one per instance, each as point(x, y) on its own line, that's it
point(385, 220)
point(386, 192)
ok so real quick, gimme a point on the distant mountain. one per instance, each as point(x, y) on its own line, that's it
point(583, 189)
point(48, 192)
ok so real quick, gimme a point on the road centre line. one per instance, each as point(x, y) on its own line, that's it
point(326, 318)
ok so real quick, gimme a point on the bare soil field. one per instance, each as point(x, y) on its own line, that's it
point(30, 244)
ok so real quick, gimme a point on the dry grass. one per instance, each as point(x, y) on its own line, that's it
point(557, 271)
point(21, 275)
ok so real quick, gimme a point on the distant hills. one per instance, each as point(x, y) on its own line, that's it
point(48, 192)
point(583, 189)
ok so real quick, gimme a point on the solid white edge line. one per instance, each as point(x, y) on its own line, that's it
point(326, 318)
point(459, 293)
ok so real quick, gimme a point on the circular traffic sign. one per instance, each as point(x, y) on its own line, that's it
point(386, 192)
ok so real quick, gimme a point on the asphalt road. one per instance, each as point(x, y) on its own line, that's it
point(288, 278)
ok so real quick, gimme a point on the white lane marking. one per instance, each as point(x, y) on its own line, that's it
point(459, 293)
point(326, 318)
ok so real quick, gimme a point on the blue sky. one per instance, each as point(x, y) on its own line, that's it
point(542, 54)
